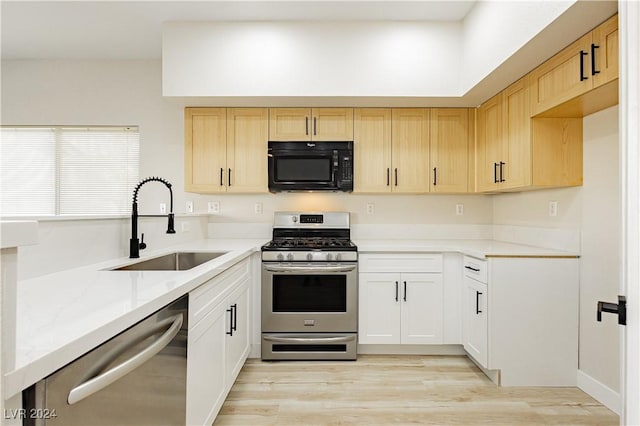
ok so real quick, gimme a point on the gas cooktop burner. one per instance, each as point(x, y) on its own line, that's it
point(309, 244)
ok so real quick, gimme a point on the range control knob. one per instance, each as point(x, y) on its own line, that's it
point(309, 256)
point(329, 257)
point(294, 219)
point(290, 256)
point(280, 257)
point(339, 256)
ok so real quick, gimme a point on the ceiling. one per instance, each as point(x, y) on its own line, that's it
point(133, 30)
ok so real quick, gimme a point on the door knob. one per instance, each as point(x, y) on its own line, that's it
point(620, 309)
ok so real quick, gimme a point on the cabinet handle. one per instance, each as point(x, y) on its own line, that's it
point(396, 175)
point(221, 173)
point(582, 55)
point(501, 164)
point(306, 125)
point(478, 294)
point(495, 172)
point(594, 71)
point(229, 176)
point(314, 126)
point(472, 268)
point(435, 176)
point(388, 176)
point(234, 323)
point(405, 291)
point(396, 291)
point(230, 310)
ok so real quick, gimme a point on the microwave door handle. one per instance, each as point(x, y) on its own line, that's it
point(92, 384)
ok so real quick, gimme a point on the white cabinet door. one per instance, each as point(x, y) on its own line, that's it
point(422, 301)
point(238, 341)
point(206, 387)
point(379, 308)
point(474, 326)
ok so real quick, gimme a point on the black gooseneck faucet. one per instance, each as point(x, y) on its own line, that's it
point(134, 244)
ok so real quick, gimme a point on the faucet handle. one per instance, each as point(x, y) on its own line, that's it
point(142, 243)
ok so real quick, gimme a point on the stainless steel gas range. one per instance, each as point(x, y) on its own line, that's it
point(310, 288)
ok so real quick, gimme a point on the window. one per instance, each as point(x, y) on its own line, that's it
point(68, 171)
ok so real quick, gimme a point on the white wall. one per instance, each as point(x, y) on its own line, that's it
point(594, 209)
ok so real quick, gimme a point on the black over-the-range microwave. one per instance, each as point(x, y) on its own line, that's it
point(310, 166)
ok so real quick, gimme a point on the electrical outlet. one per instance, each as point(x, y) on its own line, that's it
point(163, 208)
point(257, 208)
point(213, 207)
point(553, 208)
point(459, 209)
point(189, 207)
point(371, 208)
point(185, 226)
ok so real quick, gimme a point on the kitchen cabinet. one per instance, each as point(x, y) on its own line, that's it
point(372, 150)
point(391, 150)
point(310, 124)
point(225, 150)
point(410, 150)
point(509, 304)
point(564, 85)
point(474, 309)
point(218, 340)
point(400, 307)
point(517, 152)
point(449, 144)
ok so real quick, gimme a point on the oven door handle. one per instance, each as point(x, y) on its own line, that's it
point(306, 269)
point(339, 339)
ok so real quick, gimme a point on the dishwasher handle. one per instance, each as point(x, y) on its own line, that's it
point(91, 385)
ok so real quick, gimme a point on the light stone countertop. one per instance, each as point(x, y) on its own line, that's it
point(63, 315)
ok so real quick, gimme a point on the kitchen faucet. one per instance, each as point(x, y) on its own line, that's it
point(134, 244)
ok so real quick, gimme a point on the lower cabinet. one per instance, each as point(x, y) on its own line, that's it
point(400, 307)
point(474, 310)
point(218, 340)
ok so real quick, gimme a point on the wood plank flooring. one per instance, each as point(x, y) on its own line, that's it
point(401, 390)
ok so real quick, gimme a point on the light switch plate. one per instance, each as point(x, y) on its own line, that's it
point(553, 208)
point(163, 208)
point(189, 207)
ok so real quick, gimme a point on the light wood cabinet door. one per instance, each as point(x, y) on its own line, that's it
point(422, 302)
point(605, 52)
point(372, 150)
point(247, 136)
point(563, 77)
point(449, 149)
point(489, 144)
point(379, 308)
point(410, 150)
point(515, 160)
point(332, 124)
point(205, 149)
point(289, 124)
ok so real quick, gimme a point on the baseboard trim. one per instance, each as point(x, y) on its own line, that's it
point(411, 350)
point(600, 392)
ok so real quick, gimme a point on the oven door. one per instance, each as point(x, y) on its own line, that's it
point(302, 170)
point(309, 297)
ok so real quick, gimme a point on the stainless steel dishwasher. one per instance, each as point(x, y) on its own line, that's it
point(136, 378)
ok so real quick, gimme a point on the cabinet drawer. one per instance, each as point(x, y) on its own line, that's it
point(475, 268)
point(204, 298)
point(405, 262)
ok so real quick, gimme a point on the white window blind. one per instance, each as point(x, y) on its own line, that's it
point(68, 170)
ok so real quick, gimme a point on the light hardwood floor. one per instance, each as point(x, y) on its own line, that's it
point(401, 390)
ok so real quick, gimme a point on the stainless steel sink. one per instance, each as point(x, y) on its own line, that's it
point(179, 261)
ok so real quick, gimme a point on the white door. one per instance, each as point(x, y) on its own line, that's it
point(422, 303)
point(379, 308)
point(629, 33)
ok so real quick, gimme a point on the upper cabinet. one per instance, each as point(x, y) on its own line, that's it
point(563, 85)
point(517, 152)
point(372, 150)
point(226, 150)
point(449, 149)
point(310, 124)
point(410, 150)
